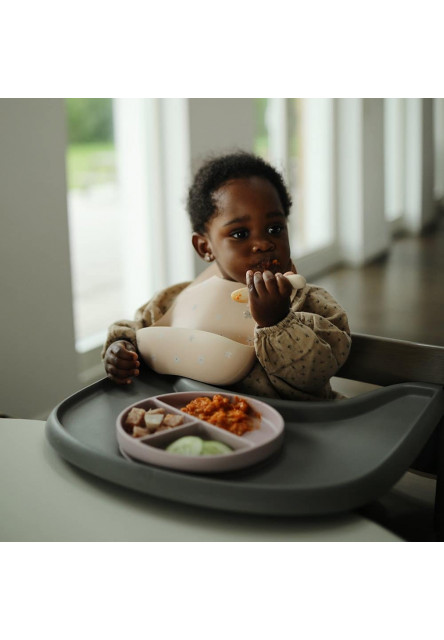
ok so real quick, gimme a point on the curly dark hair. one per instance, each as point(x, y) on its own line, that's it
point(217, 171)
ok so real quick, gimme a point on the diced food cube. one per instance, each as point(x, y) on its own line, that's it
point(153, 420)
point(172, 420)
point(156, 411)
point(138, 432)
point(140, 422)
point(135, 417)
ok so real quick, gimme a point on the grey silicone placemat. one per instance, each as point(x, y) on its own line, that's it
point(336, 456)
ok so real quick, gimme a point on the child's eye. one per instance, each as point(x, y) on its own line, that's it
point(240, 234)
point(275, 229)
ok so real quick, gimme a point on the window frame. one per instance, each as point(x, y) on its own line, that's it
point(315, 260)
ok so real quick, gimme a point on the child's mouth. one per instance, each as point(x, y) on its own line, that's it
point(268, 264)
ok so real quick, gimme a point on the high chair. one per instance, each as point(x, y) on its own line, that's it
point(336, 456)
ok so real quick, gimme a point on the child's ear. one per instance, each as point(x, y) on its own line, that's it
point(201, 245)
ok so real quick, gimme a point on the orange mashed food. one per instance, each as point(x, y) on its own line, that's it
point(236, 416)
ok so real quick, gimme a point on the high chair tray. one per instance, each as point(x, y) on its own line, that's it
point(335, 456)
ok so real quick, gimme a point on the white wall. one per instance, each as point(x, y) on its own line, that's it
point(438, 105)
point(217, 126)
point(38, 361)
point(349, 178)
point(375, 229)
point(362, 227)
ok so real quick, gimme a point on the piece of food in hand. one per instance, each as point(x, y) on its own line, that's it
point(135, 417)
point(240, 295)
point(297, 282)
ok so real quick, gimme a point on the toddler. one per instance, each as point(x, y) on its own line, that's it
point(239, 205)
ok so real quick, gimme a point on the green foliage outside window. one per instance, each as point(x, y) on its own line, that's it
point(89, 120)
point(90, 154)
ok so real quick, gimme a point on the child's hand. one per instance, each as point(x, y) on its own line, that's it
point(121, 362)
point(269, 296)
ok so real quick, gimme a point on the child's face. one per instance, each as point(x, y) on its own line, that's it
point(248, 230)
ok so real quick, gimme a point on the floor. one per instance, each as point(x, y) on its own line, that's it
point(399, 296)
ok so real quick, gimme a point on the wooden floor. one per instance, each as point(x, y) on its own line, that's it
point(400, 296)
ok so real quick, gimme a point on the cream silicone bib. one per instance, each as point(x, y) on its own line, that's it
point(205, 335)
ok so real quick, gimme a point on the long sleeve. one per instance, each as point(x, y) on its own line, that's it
point(303, 351)
point(145, 316)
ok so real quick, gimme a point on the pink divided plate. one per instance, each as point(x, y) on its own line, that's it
point(253, 446)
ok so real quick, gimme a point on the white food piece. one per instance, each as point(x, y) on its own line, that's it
point(138, 432)
point(297, 281)
point(153, 420)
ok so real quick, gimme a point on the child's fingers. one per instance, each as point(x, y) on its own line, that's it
point(124, 350)
point(249, 279)
point(258, 287)
point(129, 348)
point(271, 283)
point(121, 375)
point(121, 364)
point(284, 285)
point(267, 284)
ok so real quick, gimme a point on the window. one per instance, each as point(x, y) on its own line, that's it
point(94, 213)
point(394, 152)
point(296, 136)
point(127, 165)
point(311, 172)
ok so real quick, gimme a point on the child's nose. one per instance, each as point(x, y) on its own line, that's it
point(264, 244)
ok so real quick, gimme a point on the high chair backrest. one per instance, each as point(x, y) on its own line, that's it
point(385, 361)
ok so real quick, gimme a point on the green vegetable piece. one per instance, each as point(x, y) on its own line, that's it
point(186, 446)
point(214, 448)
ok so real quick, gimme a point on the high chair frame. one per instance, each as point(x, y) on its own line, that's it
point(385, 361)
